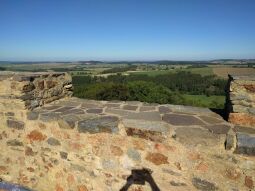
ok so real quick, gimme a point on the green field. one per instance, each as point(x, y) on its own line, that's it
point(205, 101)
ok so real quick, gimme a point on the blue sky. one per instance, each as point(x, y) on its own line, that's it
point(126, 29)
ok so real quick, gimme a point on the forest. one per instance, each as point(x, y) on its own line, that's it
point(166, 88)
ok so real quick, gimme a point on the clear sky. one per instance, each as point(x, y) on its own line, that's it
point(126, 29)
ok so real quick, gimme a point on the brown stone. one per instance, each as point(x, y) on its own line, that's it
point(117, 151)
point(249, 87)
point(248, 182)
point(36, 136)
point(242, 119)
point(50, 84)
point(145, 134)
point(40, 85)
point(157, 158)
point(202, 167)
point(58, 188)
point(70, 179)
point(3, 169)
point(232, 173)
point(82, 188)
point(29, 151)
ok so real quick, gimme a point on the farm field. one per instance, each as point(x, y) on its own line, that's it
point(224, 71)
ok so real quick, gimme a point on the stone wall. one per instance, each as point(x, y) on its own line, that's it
point(73, 144)
point(20, 92)
point(34, 89)
point(240, 101)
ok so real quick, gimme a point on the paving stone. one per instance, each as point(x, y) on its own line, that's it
point(32, 115)
point(112, 105)
point(203, 185)
point(14, 142)
point(211, 120)
point(96, 110)
point(51, 107)
point(68, 121)
point(47, 117)
point(176, 119)
point(150, 130)
point(16, 124)
point(149, 116)
point(64, 109)
point(245, 144)
point(91, 105)
point(105, 124)
point(147, 108)
point(190, 109)
point(218, 129)
point(130, 107)
point(134, 154)
point(54, 142)
point(74, 111)
point(164, 109)
point(196, 136)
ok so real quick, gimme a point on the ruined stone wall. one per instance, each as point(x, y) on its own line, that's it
point(240, 102)
point(23, 91)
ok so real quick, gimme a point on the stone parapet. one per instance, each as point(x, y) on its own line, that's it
point(30, 90)
point(240, 100)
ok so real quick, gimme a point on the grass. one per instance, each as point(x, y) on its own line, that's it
point(205, 101)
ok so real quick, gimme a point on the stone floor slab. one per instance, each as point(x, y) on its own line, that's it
point(181, 120)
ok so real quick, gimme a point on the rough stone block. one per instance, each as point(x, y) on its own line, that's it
point(16, 124)
point(245, 144)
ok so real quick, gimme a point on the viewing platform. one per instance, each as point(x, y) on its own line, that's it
point(52, 141)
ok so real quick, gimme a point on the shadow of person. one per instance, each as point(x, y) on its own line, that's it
point(140, 176)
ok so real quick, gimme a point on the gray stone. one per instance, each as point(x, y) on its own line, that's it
point(74, 111)
point(32, 115)
point(34, 103)
point(173, 183)
point(203, 185)
point(247, 130)
point(182, 120)
point(112, 105)
point(63, 155)
point(52, 107)
point(109, 164)
point(251, 110)
point(12, 123)
point(46, 117)
point(68, 121)
point(77, 167)
point(196, 136)
point(147, 108)
point(134, 154)
point(14, 142)
point(245, 144)
point(218, 129)
point(130, 107)
point(211, 120)
point(9, 114)
point(164, 109)
point(190, 109)
point(171, 172)
point(63, 109)
point(230, 141)
point(107, 124)
point(53, 142)
point(96, 110)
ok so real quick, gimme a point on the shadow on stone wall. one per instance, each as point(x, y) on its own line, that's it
point(139, 177)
